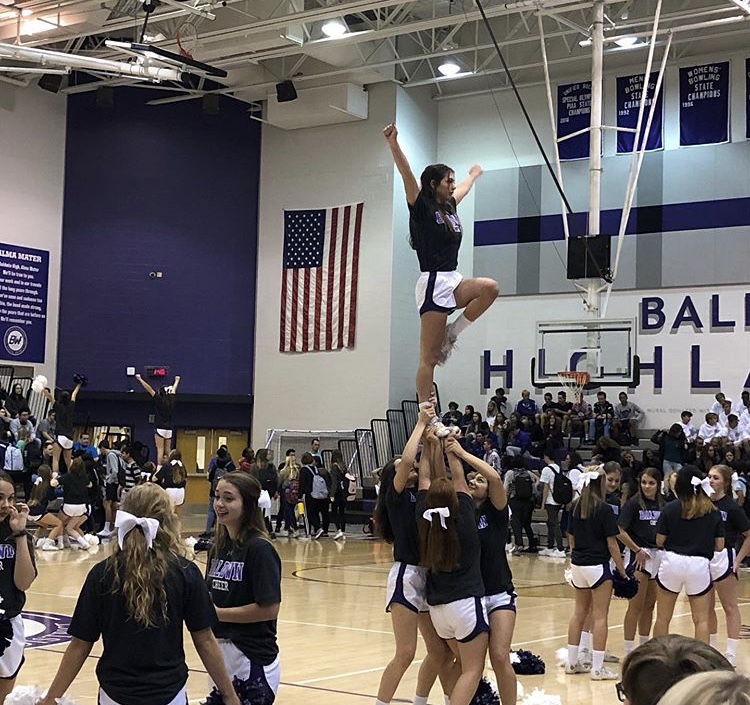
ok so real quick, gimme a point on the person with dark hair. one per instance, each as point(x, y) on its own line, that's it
point(17, 573)
point(654, 667)
point(172, 477)
point(340, 488)
point(164, 400)
point(450, 550)
point(137, 600)
point(395, 521)
point(244, 578)
point(265, 472)
point(637, 522)
point(315, 490)
point(17, 401)
point(435, 233)
point(673, 448)
point(601, 417)
point(246, 460)
point(689, 530)
point(219, 466)
point(519, 484)
point(453, 416)
point(63, 407)
point(76, 508)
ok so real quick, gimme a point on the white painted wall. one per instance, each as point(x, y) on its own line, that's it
point(32, 164)
point(318, 167)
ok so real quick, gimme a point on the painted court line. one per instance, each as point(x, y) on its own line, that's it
point(335, 626)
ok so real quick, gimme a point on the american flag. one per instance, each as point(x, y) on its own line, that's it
point(319, 284)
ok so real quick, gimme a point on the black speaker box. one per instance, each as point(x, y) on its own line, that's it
point(589, 257)
point(51, 82)
point(285, 92)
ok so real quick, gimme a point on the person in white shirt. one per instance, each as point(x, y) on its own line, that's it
point(491, 456)
point(741, 406)
point(726, 409)
point(710, 430)
point(691, 433)
point(716, 407)
point(553, 509)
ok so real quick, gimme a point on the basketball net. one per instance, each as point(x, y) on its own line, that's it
point(574, 382)
point(183, 52)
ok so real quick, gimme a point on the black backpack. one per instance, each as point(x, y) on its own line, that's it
point(562, 487)
point(523, 485)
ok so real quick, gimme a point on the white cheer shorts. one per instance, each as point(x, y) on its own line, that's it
point(722, 564)
point(678, 572)
point(500, 601)
point(435, 291)
point(406, 586)
point(462, 620)
point(64, 442)
point(164, 433)
point(587, 577)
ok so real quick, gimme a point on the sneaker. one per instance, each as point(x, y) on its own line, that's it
point(604, 674)
point(105, 534)
point(517, 551)
point(82, 543)
point(49, 545)
point(731, 658)
point(530, 549)
point(609, 657)
point(546, 552)
point(339, 535)
point(449, 345)
point(557, 553)
point(318, 534)
point(40, 542)
point(579, 667)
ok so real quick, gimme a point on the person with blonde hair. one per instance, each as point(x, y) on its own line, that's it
point(723, 564)
point(450, 550)
point(592, 537)
point(137, 601)
point(689, 530)
point(710, 688)
point(654, 667)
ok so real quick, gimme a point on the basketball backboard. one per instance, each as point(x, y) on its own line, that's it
point(603, 347)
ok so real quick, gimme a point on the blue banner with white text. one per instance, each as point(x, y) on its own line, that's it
point(704, 104)
point(24, 274)
point(574, 114)
point(629, 92)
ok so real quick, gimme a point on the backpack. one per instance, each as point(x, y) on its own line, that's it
point(562, 487)
point(523, 484)
point(319, 486)
point(13, 459)
point(350, 487)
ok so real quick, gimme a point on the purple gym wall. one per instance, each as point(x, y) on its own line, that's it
point(159, 188)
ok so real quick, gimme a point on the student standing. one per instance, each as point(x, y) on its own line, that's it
point(137, 601)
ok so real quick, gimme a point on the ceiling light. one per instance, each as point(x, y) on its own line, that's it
point(449, 68)
point(150, 38)
point(334, 28)
point(585, 42)
point(26, 12)
point(627, 41)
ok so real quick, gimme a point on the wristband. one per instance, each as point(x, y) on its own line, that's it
point(17, 534)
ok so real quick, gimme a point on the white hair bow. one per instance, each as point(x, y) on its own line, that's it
point(696, 482)
point(125, 522)
point(442, 512)
point(585, 479)
point(38, 481)
point(735, 478)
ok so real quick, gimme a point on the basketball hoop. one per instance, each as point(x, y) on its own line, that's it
point(187, 39)
point(574, 382)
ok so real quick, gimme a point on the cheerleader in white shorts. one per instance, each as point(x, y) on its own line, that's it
point(449, 542)
point(493, 516)
point(395, 520)
point(637, 523)
point(75, 509)
point(592, 536)
point(63, 407)
point(17, 572)
point(435, 233)
point(172, 476)
point(724, 564)
point(689, 530)
point(164, 400)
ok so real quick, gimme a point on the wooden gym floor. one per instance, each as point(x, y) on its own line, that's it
point(334, 635)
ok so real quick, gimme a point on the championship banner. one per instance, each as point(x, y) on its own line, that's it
point(629, 91)
point(704, 104)
point(747, 98)
point(574, 114)
point(23, 303)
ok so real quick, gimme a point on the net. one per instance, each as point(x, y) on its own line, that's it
point(574, 382)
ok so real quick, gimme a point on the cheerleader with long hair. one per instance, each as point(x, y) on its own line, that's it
point(689, 530)
point(137, 601)
point(450, 550)
point(724, 564)
point(637, 523)
point(172, 477)
point(493, 515)
point(42, 494)
point(164, 400)
point(395, 521)
point(592, 537)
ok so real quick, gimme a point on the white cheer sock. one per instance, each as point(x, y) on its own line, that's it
point(597, 661)
point(460, 325)
point(572, 654)
point(420, 700)
point(714, 641)
point(731, 649)
point(642, 639)
point(629, 646)
point(587, 639)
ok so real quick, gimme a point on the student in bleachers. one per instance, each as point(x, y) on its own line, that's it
point(561, 410)
point(453, 416)
point(627, 417)
point(673, 448)
point(717, 406)
point(526, 406)
point(580, 414)
point(467, 418)
point(710, 431)
point(602, 415)
point(548, 407)
point(16, 401)
point(690, 431)
point(396, 521)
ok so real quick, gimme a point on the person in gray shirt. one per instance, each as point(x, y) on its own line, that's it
point(45, 430)
point(22, 427)
point(628, 417)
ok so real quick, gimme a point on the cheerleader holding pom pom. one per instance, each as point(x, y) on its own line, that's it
point(137, 601)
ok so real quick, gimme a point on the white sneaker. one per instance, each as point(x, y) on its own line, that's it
point(105, 534)
point(82, 543)
point(556, 553)
point(49, 545)
point(40, 542)
point(338, 535)
point(545, 552)
point(577, 668)
point(449, 344)
point(609, 657)
point(604, 674)
point(318, 534)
